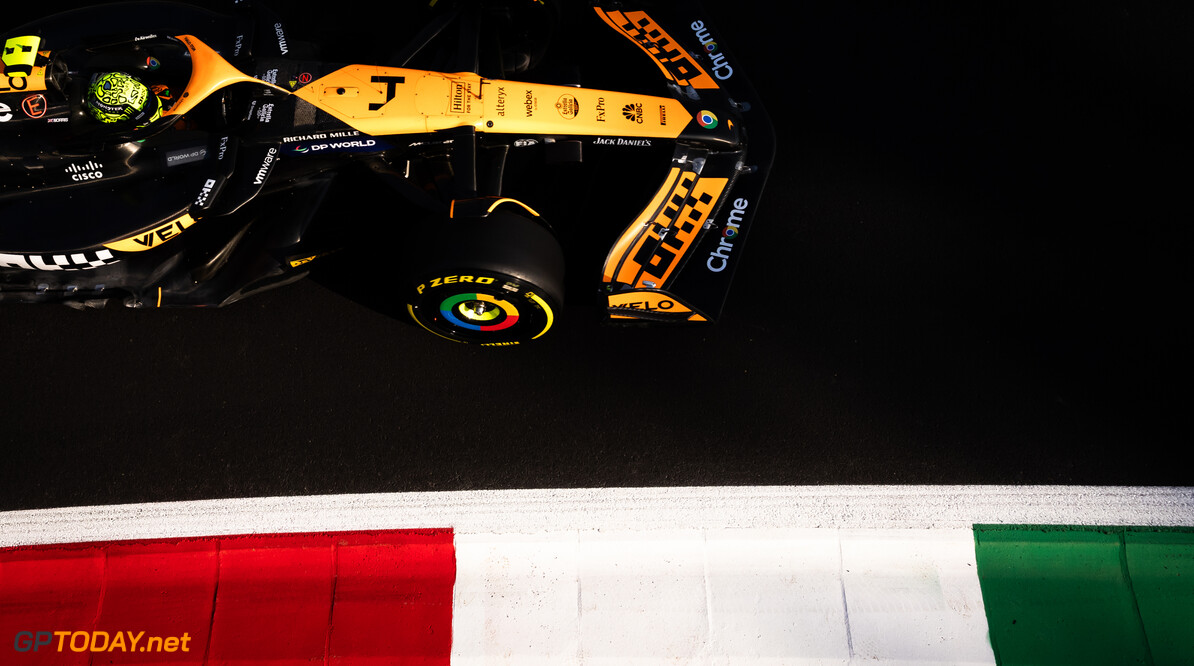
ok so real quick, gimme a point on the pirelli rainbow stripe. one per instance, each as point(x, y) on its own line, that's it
point(458, 308)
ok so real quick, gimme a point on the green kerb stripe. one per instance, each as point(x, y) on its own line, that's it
point(1058, 594)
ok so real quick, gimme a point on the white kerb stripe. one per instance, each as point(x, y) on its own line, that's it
point(732, 596)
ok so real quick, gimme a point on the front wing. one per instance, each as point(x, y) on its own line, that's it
point(675, 261)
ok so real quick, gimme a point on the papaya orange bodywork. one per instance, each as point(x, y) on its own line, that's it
point(677, 213)
point(389, 100)
point(675, 64)
point(35, 81)
point(209, 73)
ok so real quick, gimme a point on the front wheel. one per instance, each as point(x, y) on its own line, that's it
point(492, 281)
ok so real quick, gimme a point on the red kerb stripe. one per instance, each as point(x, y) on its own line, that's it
point(345, 598)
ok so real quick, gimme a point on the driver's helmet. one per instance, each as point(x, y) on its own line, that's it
point(116, 97)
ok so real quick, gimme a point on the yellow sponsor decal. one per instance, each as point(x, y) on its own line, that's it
point(652, 302)
point(20, 54)
point(525, 108)
point(672, 59)
point(567, 106)
point(295, 263)
point(147, 240)
point(461, 98)
point(647, 301)
point(454, 279)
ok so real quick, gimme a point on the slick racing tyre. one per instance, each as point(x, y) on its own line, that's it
point(493, 281)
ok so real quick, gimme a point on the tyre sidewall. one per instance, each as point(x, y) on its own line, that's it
point(443, 301)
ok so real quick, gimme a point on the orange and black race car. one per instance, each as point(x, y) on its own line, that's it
point(169, 155)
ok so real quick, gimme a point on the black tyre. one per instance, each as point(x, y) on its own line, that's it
point(497, 280)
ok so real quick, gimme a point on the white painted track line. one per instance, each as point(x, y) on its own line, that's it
point(538, 511)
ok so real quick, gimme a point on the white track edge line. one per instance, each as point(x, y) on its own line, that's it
point(638, 509)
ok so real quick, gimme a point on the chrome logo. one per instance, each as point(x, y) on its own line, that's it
point(710, 47)
point(707, 120)
point(729, 233)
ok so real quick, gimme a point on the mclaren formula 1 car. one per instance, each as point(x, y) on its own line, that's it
point(160, 154)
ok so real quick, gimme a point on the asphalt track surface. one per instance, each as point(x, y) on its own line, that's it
point(970, 266)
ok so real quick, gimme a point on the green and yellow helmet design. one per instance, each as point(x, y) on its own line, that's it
point(116, 97)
